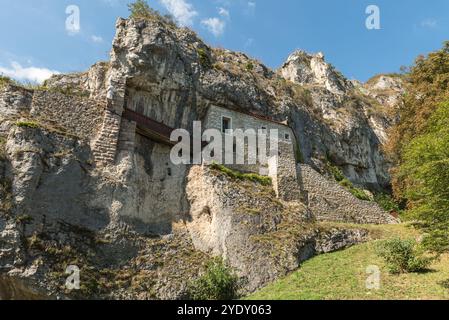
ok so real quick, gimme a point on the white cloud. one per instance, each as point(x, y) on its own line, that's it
point(31, 74)
point(223, 12)
point(429, 23)
point(181, 10)
point(214, 25)
point(96, 39)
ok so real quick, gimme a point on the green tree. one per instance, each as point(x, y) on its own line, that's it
point(425, 172)
point(141, 9)
point(419, 147)
point(427, 85)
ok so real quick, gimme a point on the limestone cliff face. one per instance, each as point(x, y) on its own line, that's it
point(141, 228)
point(261, 236)
point(354, 118)
point(307, 69)
point(172, 76)
point(134, 232)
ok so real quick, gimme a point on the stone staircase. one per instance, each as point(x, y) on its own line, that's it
point(105, 146)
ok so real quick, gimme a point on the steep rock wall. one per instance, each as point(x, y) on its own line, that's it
point(61, 210)
point(172, 76)
point(258, 235)
point(149, 224)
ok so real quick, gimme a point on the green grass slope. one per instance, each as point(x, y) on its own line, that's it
point(342, 275)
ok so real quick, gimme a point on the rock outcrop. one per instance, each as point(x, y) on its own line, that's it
point(353, 120)
point(80, 186)
point(176, 77)
point(306, 69)
point(261, 236)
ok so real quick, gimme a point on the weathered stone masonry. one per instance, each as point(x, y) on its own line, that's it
point(105, 146)
point(327, 200)
point(80, 116)
point(106, 143)
point(331, 202)
point(282, 167)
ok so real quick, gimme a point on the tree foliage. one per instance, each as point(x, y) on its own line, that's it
point(140, 9)
point(427, 85)
point(419, 147)
point(425, 174)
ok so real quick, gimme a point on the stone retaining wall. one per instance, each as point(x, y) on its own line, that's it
point(80, 116)
point(331, 202)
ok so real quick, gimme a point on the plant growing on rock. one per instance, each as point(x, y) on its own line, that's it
point(265, 181)
point(204, 58)
point(2, 149)
point(4, 80)
point(386, 202)
point(140, 9)
point(218, 282)
point(27, 124)
point(6, 197)
point(345, 183)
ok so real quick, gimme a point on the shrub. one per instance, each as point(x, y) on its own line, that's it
point(249, 66)
point(141, 10)
point(4, 80)
point(336, 173)
point(217, 283)
point(27, 124)
point(358, 193)
point(403, 256)
point(386, 202)
point(2, 149)
point(204, 58)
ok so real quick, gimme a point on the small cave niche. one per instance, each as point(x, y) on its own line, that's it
point(206, 211)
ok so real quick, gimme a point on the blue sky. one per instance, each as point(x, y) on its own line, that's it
point(34, 40)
